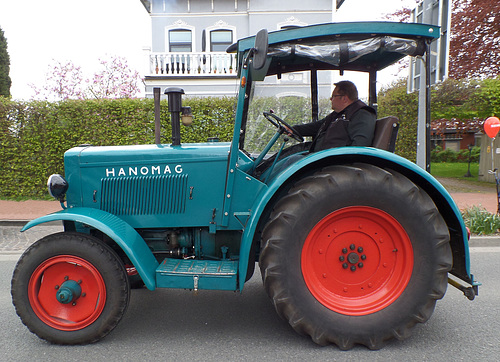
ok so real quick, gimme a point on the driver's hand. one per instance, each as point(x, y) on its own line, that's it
point(288, 130)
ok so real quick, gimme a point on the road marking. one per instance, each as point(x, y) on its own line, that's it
point(485, 249)
point(10, 257)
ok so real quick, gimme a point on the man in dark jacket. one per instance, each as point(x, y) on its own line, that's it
point(352, 122)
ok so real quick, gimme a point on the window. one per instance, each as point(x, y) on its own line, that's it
point(220, 40)
point(180, 40)
point(291, 23)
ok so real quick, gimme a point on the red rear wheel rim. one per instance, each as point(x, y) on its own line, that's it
point(357, 260)
point(48, 278)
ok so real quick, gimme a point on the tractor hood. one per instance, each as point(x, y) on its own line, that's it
point(145, 184)
point(139, 154)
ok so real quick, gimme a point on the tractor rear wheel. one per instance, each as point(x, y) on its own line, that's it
point(70, 288)
point(355, 254)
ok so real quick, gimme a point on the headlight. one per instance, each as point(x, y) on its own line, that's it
point(57, 186)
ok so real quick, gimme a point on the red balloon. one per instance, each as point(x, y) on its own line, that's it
point(492, 126)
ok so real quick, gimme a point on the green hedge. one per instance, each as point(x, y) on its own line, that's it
point(395, 101)
point(34, 135)
point(440, 155)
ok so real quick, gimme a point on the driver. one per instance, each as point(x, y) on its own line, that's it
point(352, 122)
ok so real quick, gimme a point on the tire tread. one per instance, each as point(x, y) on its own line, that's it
point(46, 246)
point(287, 212)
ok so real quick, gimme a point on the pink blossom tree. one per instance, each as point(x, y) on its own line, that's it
point(115, 79)
point(63, 81)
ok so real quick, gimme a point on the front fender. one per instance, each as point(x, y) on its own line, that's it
point(122, 233)
point(381, 158)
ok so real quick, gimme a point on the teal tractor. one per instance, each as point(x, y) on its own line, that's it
point(354, 244)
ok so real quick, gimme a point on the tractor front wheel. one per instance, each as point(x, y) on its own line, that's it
point(70, 288)
point(355, 254)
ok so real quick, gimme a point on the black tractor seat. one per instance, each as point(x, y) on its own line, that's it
point(386, 132)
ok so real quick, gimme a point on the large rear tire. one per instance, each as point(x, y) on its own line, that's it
point(355, 254)
point(70, 288)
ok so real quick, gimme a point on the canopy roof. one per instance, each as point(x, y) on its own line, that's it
point(360, 46)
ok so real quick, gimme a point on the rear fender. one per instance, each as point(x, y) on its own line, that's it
point(122, 233)
point(441, 197)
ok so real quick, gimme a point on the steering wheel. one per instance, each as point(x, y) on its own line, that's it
point(282, 126)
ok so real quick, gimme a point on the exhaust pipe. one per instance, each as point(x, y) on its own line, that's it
point(175, 107)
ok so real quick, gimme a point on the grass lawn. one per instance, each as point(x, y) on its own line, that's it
point(454, 170)
point(452, 177)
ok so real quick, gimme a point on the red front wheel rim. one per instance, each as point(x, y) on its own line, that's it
point(86, 303)
point(357, 260)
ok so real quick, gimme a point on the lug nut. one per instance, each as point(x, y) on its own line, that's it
point(352, 246)
point(341, 258)
point(360, 249)
point(344, 250)
point(360, 265)
point(353, 268)
point(363, 257)
point(345, 266)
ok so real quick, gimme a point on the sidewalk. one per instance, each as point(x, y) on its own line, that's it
point(31, 209)
point(26, 210)
point(487, 200)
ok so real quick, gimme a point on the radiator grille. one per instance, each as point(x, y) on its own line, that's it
point(144, 195)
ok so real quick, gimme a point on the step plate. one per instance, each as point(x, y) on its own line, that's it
point(197, 274)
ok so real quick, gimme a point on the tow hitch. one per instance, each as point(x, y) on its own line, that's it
point(469, 292)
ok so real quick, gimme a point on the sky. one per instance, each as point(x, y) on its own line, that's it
point(40, 32)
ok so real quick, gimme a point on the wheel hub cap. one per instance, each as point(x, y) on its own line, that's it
point(67, 292)
point(357, 260)
point(353, 258)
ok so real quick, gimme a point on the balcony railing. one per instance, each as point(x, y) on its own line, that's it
point(192, 64)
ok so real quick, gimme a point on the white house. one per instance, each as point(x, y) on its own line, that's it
point(189, 39)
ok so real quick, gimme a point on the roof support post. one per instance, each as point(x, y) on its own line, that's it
point(428, 105)
point(314, 94)
point(424, 113)
point(372, 90)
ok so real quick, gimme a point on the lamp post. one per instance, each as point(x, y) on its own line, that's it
point(468, 174)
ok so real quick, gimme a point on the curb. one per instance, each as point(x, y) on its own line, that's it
point(21, 223)
point(477, 240)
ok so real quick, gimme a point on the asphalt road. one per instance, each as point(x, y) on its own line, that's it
point(168, 325)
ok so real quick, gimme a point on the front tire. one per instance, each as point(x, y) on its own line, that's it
point(70, 288)
point(355, 255)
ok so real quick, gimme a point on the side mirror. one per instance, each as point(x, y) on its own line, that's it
point(260, 52)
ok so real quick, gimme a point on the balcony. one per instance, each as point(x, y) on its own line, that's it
point(206, 64)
